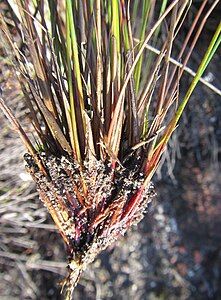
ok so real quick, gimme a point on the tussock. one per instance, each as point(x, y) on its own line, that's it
point(102, 107)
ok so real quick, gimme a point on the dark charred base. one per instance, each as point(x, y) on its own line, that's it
point(92, 204)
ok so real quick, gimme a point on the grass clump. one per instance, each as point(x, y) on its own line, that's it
point(102, 92)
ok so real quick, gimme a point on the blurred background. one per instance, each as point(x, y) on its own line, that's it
point(174, 253)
